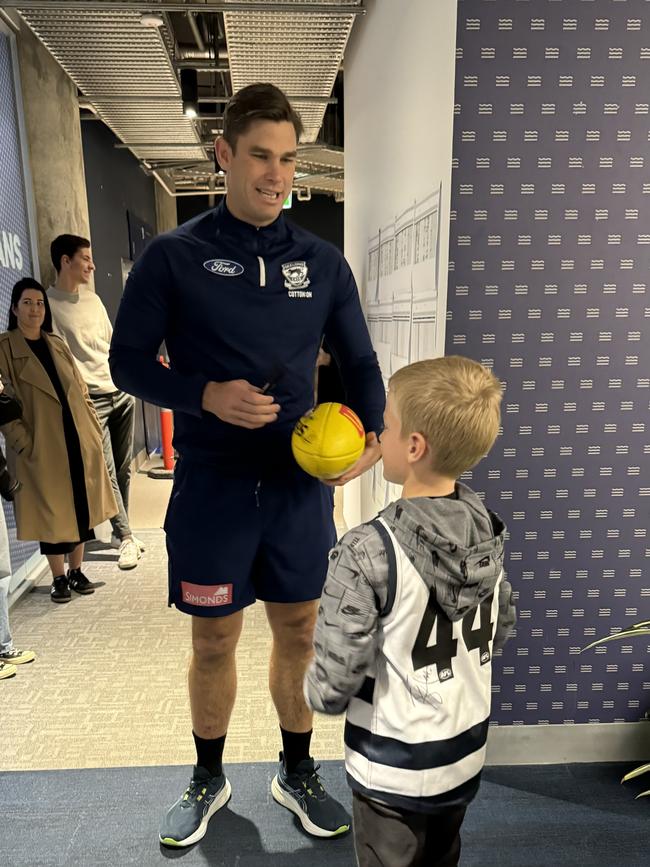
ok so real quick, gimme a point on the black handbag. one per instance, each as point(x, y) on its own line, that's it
point(10, 409)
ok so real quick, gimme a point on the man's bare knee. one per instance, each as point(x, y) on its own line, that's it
point(215, 639)
point(293, 631)
point(298, 642)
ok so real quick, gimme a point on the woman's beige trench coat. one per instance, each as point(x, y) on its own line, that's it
point(44, 503)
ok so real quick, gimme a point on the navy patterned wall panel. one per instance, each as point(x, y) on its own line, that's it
point(15, 241)
point(549, 272)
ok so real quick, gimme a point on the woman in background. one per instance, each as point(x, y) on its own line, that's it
point(64, 488)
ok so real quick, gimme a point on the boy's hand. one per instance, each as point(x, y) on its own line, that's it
point(371, 454)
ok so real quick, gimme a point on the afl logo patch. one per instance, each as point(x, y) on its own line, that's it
point(223, 267)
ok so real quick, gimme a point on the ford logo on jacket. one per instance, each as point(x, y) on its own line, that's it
point(224, 267)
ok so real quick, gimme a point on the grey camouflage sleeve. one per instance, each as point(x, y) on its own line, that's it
point(345, 643)
point(507, 619)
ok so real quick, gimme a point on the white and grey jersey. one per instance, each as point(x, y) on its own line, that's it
point(416, 732)
point(413, 605)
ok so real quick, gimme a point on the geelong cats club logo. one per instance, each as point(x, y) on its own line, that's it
point(295, 279)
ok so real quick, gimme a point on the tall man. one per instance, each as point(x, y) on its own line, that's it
point(242, 299)
point(80, 318)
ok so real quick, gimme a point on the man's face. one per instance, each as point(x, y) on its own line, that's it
point(80, 266)
point(260, 171)
point(394, 447)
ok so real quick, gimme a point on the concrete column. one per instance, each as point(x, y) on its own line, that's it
point(166, 216)
point(54, 141)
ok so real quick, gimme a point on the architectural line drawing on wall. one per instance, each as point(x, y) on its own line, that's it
point(402, 298)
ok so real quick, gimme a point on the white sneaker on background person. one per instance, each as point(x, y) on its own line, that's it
point(116, 543)
point(16, 656)
point(7, 670)
point(129, 553)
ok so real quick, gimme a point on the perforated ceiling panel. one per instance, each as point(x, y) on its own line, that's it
point(300, 53)
point(124, 69)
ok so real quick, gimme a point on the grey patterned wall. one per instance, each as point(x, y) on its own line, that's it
point(548, 283)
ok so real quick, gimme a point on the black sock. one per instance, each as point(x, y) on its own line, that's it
point(295, 747)
point(209, 753)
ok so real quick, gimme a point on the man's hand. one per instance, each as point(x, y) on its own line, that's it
point(240, 403)
point(371, 454)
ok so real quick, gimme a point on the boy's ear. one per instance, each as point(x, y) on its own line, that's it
point(417, 448)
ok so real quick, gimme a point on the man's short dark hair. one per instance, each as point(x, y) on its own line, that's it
point(257, 102)
point(66, 245)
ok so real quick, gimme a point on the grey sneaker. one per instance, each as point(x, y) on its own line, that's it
point(187, 820)
point(302, 792)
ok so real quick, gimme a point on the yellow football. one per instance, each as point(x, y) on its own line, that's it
point(328, 440)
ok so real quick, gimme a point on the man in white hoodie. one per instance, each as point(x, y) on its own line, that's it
point(80, 318)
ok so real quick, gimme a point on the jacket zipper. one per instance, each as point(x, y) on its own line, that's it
point(262, 272)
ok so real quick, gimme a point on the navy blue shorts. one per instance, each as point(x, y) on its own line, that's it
point(232, 540)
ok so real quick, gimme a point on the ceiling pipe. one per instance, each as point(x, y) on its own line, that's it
point(4, 16)
point(162, 183)
point(88, 106)
point(191, 20)
point(191, 52)
point(202, 66)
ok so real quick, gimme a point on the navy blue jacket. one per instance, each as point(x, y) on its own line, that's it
point(232, 301)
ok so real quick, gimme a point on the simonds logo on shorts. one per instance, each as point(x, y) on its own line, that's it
point(206, 595)
point(223, 267)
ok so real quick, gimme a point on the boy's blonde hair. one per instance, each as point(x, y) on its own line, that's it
point(454, 403)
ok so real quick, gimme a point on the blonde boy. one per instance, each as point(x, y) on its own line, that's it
point(413, 605)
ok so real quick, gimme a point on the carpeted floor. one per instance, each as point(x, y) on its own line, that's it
point(540, 816)
point(107, 697)
point(113, 667)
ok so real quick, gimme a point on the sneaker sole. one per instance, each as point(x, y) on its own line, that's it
point(220, 801)
point(285, 800)
point(5, 675)
point(126, 566)
point(59, 601)
point(18, 661)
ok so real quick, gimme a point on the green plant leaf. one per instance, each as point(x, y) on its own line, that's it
point(642, 794)
point(643, 623)
point(642, 769)
point(626, 633)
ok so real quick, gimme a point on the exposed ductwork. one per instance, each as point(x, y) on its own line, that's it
point(128, 73)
